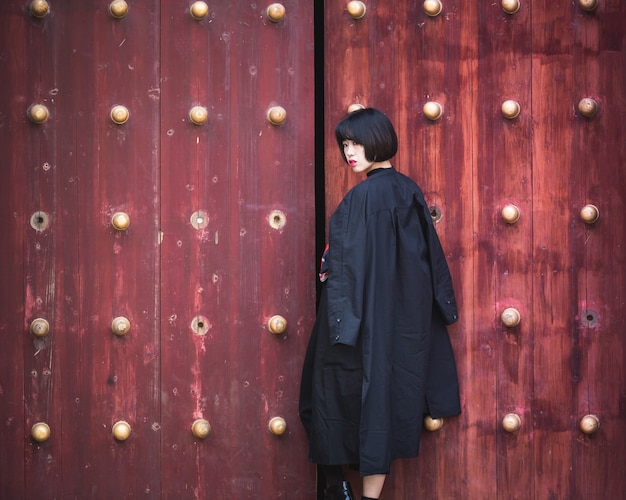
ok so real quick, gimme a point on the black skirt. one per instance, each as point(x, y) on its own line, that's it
point(330, 395)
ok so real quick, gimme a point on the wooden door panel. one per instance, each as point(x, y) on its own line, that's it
point(119, 269)
point(222, 238)
point(78, 168)
point(504, 178)
point(247, 260)
point(13, 207)
point(551, 266)
point(50, 292)
point(597, 360)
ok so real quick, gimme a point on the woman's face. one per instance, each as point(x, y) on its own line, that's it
point(355, 156)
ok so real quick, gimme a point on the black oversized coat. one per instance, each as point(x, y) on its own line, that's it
point(379, 357)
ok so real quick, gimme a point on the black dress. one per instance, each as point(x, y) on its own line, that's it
point(379, 356)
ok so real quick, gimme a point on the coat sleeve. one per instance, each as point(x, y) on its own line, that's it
point(443, 290)
point(347, 268)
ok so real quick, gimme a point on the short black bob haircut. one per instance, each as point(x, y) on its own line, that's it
point(371, 129)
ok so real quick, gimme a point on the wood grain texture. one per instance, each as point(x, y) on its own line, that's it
point(553, 368)
point(119, 270)
point(80, 273)
point(42, 266)
point(598, 60)
point(505, 176)
point(15, 150)
point(237, 271)
point(557, 259)
point(565, 360)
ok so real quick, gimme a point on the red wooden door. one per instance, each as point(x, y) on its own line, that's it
point(237, 247)
point(564, 360)
point(63, 179)
point(220, 240)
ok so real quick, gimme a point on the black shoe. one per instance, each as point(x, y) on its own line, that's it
point(340, 491)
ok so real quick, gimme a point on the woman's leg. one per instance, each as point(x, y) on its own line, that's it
point(373, 485)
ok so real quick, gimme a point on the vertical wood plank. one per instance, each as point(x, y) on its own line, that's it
point(237, 271)
point(506, 168)
point(598, 72)
point(15, 150)
point(195, 72)
point(441, 158)
point(118, 270)
point(67, 405)
point(555, 258)
point(43, 461)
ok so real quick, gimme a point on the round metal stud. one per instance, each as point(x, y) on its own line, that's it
point(276, 115)
point(199, 10)
point(511, 422)
point(589, 424)
point(277, 426)
point(277, 324)
point(588, 4)
point(119, 114)
point(120, 221)
point(433, 7)
point(510, 317)
point(355, 107)
point(201, 428)
point(356, 9)
point(511, 213)
point(198, 115)
point(38, 113)
point(277, 219)
point(432, 110)
point(118, 9)
point(40, 432)
point(433, 424)
point(510, 109)
point(588, 107)
point(120, 326)
point(589, 214)
point(39, 8)
point(121, 430)
point(276, 12)
point(510, 6)
point(39, 327)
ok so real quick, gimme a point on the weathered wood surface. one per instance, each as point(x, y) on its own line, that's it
point(578, 267)
point(553, 368)
point(504, 176)
point(237, 271)
point(118, 165)
point(79, 273)
point(13, 208)
point(565, 360)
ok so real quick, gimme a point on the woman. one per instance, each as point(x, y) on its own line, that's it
point(379, 357)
